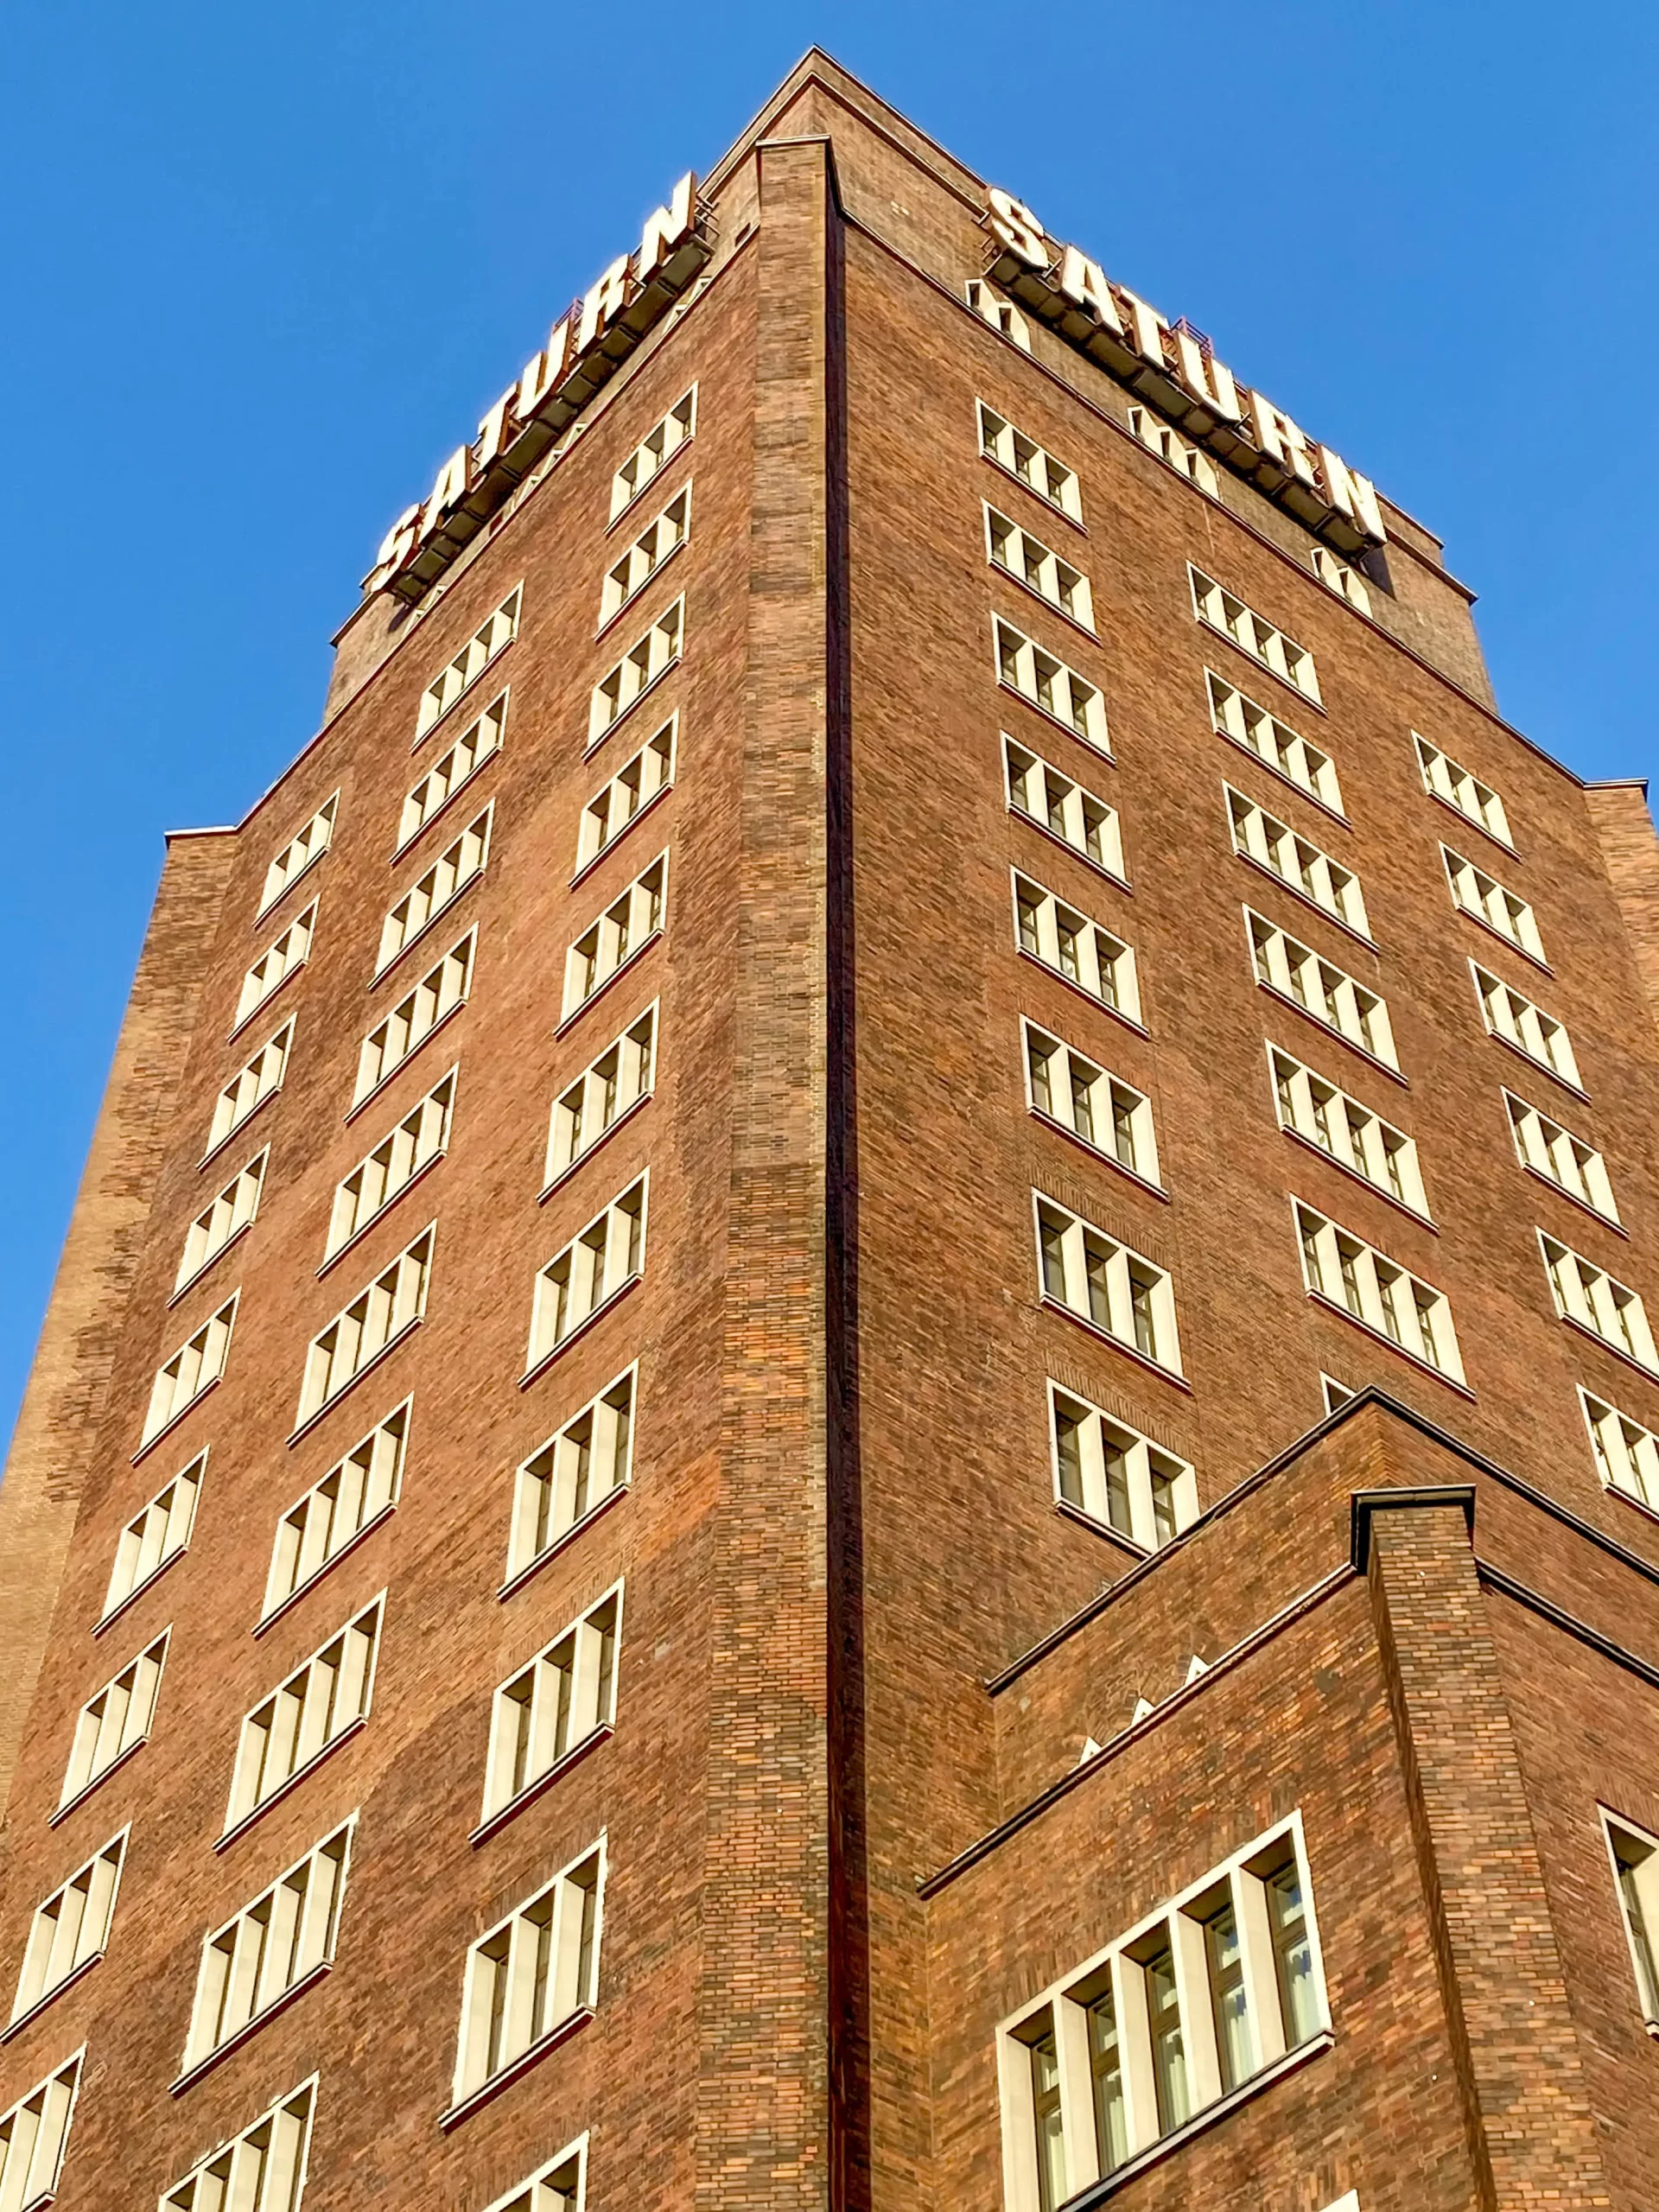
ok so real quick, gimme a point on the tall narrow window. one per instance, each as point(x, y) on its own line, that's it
point(1158, 437)
point(621, 933)
point(1338, 576)
point(1045, 683)
point(1590, 1298)
point(988, 304)
point(305, 1715)
point(551, 1708)
point(33, 2136)
point(1313, 1107)
point(1636, 1871)
point(1109, 1471)
point(491, 638)
point(351, 1498)
point(572, 1475)
point(153, 1538)
point(250, 1087)
point(1106, 2073)
point(282, 958)
point(1377, 1292)
point(71, 1929)
point(301, 853)
point(1321, 991)
point(1215, 605)
point(1169, 2072)
point(222, 1223)
point(1045, 2110)
point(534, 1975)
point(559, 2186)
point(1568, 1162)
point(593, 1268)
point(1235, 717)
point(420, 1138)
point(1044, 795)
point(190, 1374)
point(659, 446)
point(474, 749)
point(1020, 554)
point(1486, 900)
point(392, 1304)
point(1032, 465)
point(1443, 779)
point(1311, 874)
point(650, 658)
point(1526, 1027)
point(1627, 1454)
point(261, 2170)
point(630, 792)
point(1293, 1952)
point(629, 575)
point(454, 871)
point(1102, 1282)
point(284, 1936)
point(591, 1107)
point(1062, 939)
point(114, 1721)
point(412, 1020)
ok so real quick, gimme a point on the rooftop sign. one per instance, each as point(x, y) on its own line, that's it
point(589, 344)
point(1171, 365)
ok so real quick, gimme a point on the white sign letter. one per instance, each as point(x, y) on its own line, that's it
point(1084, 281)
point(1278, 438)
point(1209, 382)
point(1018, 229)
point(1353, 495)
point(1149, 326)
point(667, 227)
point(604, 302)
point(395, 548)
point(543, 372)
point(449, 490)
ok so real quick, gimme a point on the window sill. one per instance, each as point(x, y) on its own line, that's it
point(1381, 1337)
point(589, 865)
point(270, 1619)
point(1591, 1336)
point(532, 1790)
point(454, 791)
point(86, 1789)
point(539, 1367)
point(1013, 476)
point(257, 1813)
point(598, 1144)
point(1639, 1506)
point(1104, 1336)
point(213, 1150)
point(1330, 1029)
point(192, 2075)
point(58, 1989)
point(516, 1582)
point(1308, 698)
point(116, 1612)
point(1543, 1066)
point(1472, 821)
point(1295, 891)
point(595, 739)
point(428, 925)
point(1107, 874)
point(1099, 2192)
point(1365, 1182)
point(1084, 1519)
point(467, 2106)
point(392, 1074)
point(1104, 1006)
point(644, 584)
point(1334, 813)
point(1096, 1151)
point(1583, 1205)
point(260, 1006)
point(387, 1204)
point(1052, 606)
point(1509, 943)
point(346, 1388)
point(1101, 752)
point(209, 1264)
point(173, 1422)
point(567, 1021)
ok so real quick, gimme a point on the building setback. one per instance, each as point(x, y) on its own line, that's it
point(851, 1406)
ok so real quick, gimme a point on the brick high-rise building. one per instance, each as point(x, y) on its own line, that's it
point(851, 1405)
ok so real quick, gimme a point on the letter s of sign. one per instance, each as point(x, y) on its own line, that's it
point(1018, 230)
point(395, 548)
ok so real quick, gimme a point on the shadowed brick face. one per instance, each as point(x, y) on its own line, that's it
point(911, 1757)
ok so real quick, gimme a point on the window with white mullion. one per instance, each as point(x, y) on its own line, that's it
point(1634, 1854)
point(1261, 837)
point(1560, 1158)
point(1020, 554)
point(1160, 438)
point(353, 1494)
point(192, 1371)
point(1477, 801)
point(248, 1965)
point(529, 1976)
point(1102, 1282)
point(420, 1138)
point(153, 1538)
point(474, 749)
point(1338, 576)
point(572, 1475)
point(552, 1706)
point(319, 1701)
point(1208, 1994)
point(33, 2135)
point(622, 1075)
point(261, 2170)
point(659, 446)
point(1045, 683)
point(1216, 605)
point(1045, 795)
point(284, 957)
point(988, 304)
point(610, 812)
point(629, 576)
point(593, 1268)
point(1377, 1292)
point(70, 1929)
point(623, 931)
point(1627, 1453)
point(230, 1213)
point(1587, 1293)
point(639, 669)
point(1235, 715)
point(394, 1302)
point(491, 638)
point(1519, 1023)
point(114, 1720)
point(251, 1087)
point(1485, 900)
point(1322, 991)
point(1073, 946)
point(300, 853)
point(1351, 1134)
point(412, 1020)
point(1108, 1115)
point(1034, 465)
point(1114, 1475)
point(457, 866)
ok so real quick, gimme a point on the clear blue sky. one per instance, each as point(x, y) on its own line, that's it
point(264, 266)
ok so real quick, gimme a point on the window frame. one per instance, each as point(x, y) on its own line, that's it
point(1572, 1083)
point(469, 939)
point(270, 1613)
point(237, 1824)
point(1644, 1974)
point(1149, 1182)
point(1204, 474)
point(195, 1468)
point(1421, 746)
point(1282, 997)
point(333, 1253)
point(596, 736)
point(269, 899)
point(1455, 1379)
point(304, 1419)
point(480, 762)
point(260, 1162)
point(1609, 1481)
point(584, 867)
point(570, 1013)
point(170, 2198)
point(1141, 1535)
point(1045, 827)
point(982, 408)
point(149, 1438)
point(216, 1144)
point(494, 1817)
point(74, 2066)
point(554, 1180)
point(1126, 951)
point(653, 573)
point(156, 1648)
point(513, 2199)
point(1314, 697)
point(423, 730)
point(640, 490)
point(1361, 931)
point(1097, 737)
point(1163, 1293)
point(21, 2019)
point(1084, 623)
point(1423, 1214)
point(537, 1364)
point(1634, 1298)
point(385, 963)
point(517, 1576)
point(1452, 860)
point(1335, 809)
point(1607, 1216)
point(306, 920)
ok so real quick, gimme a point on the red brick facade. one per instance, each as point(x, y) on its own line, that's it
point(903, 1740)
